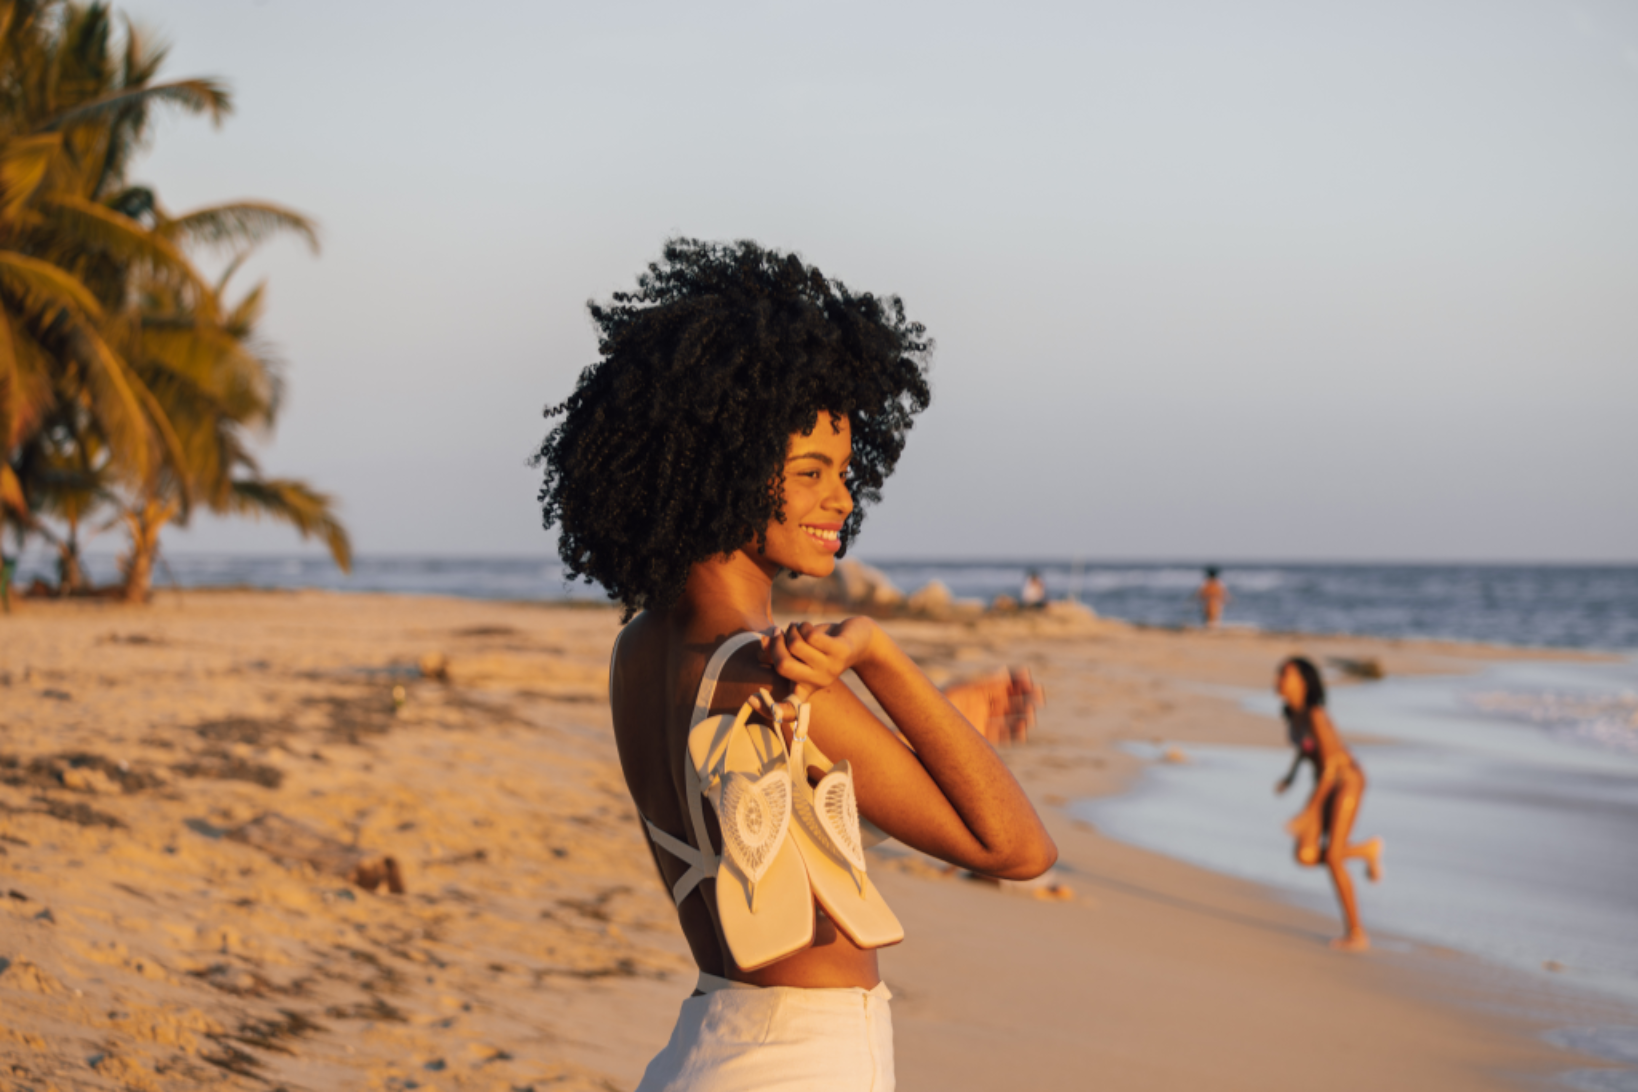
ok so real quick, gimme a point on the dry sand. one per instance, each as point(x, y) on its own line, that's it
point(183, 788)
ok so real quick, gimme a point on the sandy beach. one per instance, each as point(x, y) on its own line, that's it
point(189, 793)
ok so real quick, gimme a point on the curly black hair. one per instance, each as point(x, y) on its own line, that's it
point(671, 448)
point(1313, 683)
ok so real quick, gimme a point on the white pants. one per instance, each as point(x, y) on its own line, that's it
point(740, 1038)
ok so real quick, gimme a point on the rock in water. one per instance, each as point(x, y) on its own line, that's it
point(932, 601)
point(853, 585)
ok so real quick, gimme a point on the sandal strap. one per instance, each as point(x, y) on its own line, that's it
point(708, 859)
point(683, 852)
point(672, 844)
point(713, 672)
point(805, 753)
point(702, 861)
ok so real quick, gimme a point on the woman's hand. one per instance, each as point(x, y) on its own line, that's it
point(1001, 705)
point(814, 656)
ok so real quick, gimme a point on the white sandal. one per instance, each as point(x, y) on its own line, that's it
point(785, 843)
point(828, 833)
point(764, 903)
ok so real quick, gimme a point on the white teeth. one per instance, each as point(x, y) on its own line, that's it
point(823, 536)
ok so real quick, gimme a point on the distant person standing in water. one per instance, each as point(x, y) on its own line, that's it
point(1324, 824)
point(1034, 595)
point(1212, 596)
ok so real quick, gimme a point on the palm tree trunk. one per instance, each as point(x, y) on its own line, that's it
point(70, 572)
point(145, 523)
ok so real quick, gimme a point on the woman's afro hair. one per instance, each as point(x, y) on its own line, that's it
point(671, 448)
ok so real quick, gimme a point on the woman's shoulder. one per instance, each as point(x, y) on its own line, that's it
point(737, 675)
point(655, 649)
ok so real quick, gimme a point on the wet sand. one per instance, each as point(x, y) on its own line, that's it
point(155, 935)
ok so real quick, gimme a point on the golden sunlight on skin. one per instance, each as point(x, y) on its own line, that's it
point(1289, 686)
point(1339, 781)
point(817, 501)
point(931, 779)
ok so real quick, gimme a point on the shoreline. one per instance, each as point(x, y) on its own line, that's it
point(1088, 764)
point(534, 944)
point(1514, 605)
point(1473, 801)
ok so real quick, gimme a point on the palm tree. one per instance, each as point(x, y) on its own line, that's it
point(122, 380)
point(71, 480)
point(70, 117)
point(216, 382)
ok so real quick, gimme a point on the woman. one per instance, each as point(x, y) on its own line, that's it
point(1213, 596)
point(744, 411)
point(1323, 826)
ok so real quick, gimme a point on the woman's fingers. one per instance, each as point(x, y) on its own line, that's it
point(812, 656)
point(786, 709)
point(796, 640)
point(803, 675)
point(817, 651)
point(808, 672)
point(822, 641)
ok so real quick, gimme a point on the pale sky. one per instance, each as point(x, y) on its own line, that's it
point(1238, 281)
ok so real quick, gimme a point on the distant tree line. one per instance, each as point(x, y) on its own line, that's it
point(130, 383)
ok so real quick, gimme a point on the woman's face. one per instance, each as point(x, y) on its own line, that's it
point(1289, 686)
point(817, 500)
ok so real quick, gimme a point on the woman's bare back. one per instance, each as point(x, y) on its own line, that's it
point(654, 678)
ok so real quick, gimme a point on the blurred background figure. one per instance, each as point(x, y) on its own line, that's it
point(1034, 595)
point(1001, 703)
point(1323, 825)
point(1212, 596)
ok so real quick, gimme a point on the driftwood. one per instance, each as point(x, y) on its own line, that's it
point(290, 842)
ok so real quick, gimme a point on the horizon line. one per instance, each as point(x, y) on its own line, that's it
point(1190, 561)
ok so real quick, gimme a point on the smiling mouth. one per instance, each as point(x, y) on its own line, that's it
point(819, 533)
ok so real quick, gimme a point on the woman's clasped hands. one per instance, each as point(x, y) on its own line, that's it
point(1000, 705)
point(813, 655)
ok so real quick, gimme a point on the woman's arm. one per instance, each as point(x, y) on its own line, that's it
point(952, 796)
point(1330, 769)
point(1284, 783)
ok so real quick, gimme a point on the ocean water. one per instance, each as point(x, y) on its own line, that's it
point(1560, 606)
point(1564, 606)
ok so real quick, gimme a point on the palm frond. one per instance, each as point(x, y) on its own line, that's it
point(244, 316)
point(240, 225)
point(298, 504)
point(175, 457)
point(122, 404)
point(23, 166)
point(11, 491)
point(97, 227)
point(10, 387)
point(47, 283)
point(232, 268)
point(204, 96)
point(144, 54)
point(219, 364)
point(33, 394)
